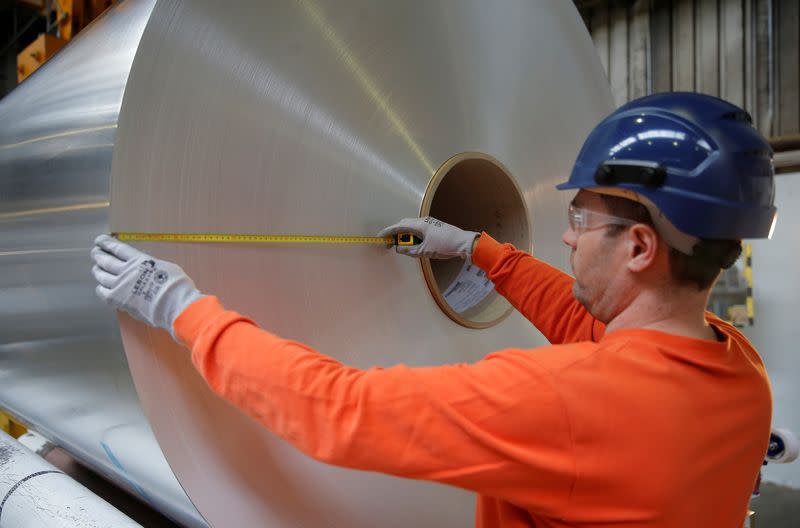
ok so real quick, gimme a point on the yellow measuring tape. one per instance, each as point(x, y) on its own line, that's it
point(402, 239)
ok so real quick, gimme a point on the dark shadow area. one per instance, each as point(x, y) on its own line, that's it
point(20, 24)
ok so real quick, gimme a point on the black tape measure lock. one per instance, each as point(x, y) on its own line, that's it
point(407, 239)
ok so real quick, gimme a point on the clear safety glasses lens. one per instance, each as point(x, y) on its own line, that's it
point(585, 219)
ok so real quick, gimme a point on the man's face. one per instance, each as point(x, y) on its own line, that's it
point(597, 260)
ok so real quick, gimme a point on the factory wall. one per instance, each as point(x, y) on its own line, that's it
point(776, 332)
point(745, 51)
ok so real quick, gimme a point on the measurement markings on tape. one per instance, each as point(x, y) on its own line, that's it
point(236, 238)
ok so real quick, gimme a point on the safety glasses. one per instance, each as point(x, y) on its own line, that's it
point(581, 220)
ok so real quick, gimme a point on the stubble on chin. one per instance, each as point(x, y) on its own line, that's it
point(578, 294)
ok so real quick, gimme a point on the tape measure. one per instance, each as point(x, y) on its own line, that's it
point(401, 239)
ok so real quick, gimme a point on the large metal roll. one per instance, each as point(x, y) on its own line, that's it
point(307, 117)
point(62, 367)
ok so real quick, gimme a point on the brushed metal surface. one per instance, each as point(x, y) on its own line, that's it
point(62, 367)
point(298, 116)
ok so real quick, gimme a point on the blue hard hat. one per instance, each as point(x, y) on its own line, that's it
point(696, 157)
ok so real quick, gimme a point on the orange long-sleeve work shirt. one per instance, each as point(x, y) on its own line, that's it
point(636, 428)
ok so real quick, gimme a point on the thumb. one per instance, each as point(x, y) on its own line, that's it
point(410, 251)
point(406, 225)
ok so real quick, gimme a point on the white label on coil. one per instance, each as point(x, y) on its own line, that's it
point(468, 289)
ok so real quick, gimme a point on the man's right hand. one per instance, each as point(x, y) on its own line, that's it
point(439, 239)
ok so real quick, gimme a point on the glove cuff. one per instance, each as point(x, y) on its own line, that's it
point(184, 294)
point(465, 243)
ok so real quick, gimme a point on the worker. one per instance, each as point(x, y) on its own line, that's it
point(646, 410)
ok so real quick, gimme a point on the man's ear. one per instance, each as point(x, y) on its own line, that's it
point(642, 247)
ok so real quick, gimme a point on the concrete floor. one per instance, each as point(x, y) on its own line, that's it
point(776, 507)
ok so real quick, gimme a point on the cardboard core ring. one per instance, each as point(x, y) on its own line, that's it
point(474, 191)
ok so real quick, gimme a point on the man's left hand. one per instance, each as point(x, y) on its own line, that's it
point(151, 290)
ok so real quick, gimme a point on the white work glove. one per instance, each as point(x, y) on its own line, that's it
point(151, 290)
point(439, 239)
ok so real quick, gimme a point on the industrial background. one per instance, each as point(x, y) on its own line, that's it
point(746, 51)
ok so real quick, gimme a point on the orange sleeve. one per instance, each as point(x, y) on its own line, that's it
point(541, 293)
point(497, 427)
